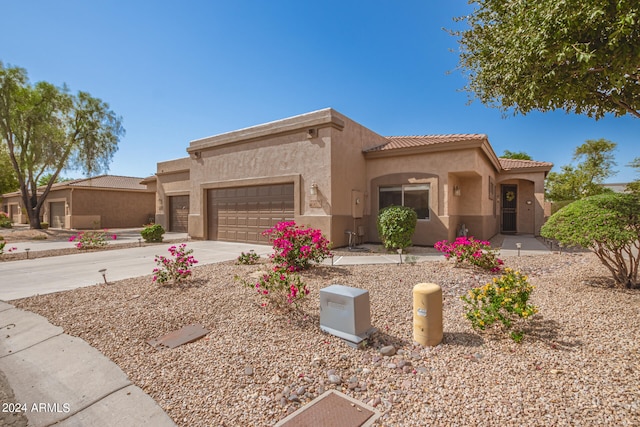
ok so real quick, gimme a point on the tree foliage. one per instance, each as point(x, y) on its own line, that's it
point(580, 56)
point(609, 225)
point(595, 164)
point(396, 225)
point(46, 129)
point(634, 186)
point(518, 155)
point(8, 180)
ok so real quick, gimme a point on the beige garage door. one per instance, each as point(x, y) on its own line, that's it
point(241, 214)
point(57, 214)
point(179, 218)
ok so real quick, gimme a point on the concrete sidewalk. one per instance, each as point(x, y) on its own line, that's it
point(529, 245)
point(57, 378)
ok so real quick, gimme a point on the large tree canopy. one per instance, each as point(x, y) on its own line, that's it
point(581, 56)
point(46, 129)
point(595, 164)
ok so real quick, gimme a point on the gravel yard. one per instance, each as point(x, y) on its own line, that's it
point(578, 365)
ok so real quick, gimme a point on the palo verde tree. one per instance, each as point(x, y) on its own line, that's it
point(46, 129)
point(609, 225)
point(580, 56)
point(595, 164)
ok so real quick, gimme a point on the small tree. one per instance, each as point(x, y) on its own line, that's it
point(396, 225)
point(609, 225)
point(45, 129)
point(595, 164)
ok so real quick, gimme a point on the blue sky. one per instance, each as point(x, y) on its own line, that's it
point(179, 71)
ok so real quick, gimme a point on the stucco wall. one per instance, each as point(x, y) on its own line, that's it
point(113, 208)
point(349, 180)
point(173, 179)
point(467, 168)
point(269, 159)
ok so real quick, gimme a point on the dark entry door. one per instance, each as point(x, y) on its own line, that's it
point(179, 208)
point(509, 204)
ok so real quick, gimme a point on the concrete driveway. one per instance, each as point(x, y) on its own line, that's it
point(20, 279)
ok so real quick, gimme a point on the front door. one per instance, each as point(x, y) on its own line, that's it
point(509, 204)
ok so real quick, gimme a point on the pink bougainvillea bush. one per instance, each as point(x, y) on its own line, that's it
point(296, 247)
point(475, 252)
point(92, 239)
point(175, 269)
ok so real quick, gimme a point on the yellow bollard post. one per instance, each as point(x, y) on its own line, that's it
point(427, 314)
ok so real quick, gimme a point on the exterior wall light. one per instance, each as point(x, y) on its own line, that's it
point(313, 200)
point(456, 190)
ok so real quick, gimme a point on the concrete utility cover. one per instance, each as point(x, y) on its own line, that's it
point(334, 409)
point(174, 339)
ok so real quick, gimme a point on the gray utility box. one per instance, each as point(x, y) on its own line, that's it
point(345, 313)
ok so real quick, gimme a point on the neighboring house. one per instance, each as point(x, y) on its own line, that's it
point(326, 171)
point(617, 187)
point(105, 201)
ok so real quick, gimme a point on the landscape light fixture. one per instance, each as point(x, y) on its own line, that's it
point(518, 246)
point(27, 251)
point(103, 271)
point(314, 189)
point(139, 242)
point(400, 253)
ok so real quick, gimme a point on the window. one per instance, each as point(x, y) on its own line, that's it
point(413, 196)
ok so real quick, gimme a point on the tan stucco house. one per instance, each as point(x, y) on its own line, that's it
point(326, 171)
point(106, 201)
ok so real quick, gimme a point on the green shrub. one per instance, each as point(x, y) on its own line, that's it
point(44, 225)
point(396, 225)
point(248, 258)
point(90, 239)
point(5, 221)
point(609, 225)
point(503, 300)
point(152, 233)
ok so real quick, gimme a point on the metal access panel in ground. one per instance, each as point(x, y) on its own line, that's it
point(241, 214)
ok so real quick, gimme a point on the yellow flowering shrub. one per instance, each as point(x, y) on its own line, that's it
point(503, 300)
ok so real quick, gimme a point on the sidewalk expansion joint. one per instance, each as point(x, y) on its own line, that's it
point(33, 345)
point(88, 405)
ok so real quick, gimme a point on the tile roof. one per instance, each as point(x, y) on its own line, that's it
point(105, 181)
point(522, 164)
point(396, 142)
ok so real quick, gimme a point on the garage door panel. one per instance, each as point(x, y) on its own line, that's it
point(242, 214)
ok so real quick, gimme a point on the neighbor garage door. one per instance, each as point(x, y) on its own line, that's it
point(241, 214)
point(57, 214)
point(179, 208)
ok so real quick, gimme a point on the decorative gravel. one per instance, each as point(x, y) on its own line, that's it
point(579, 363)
